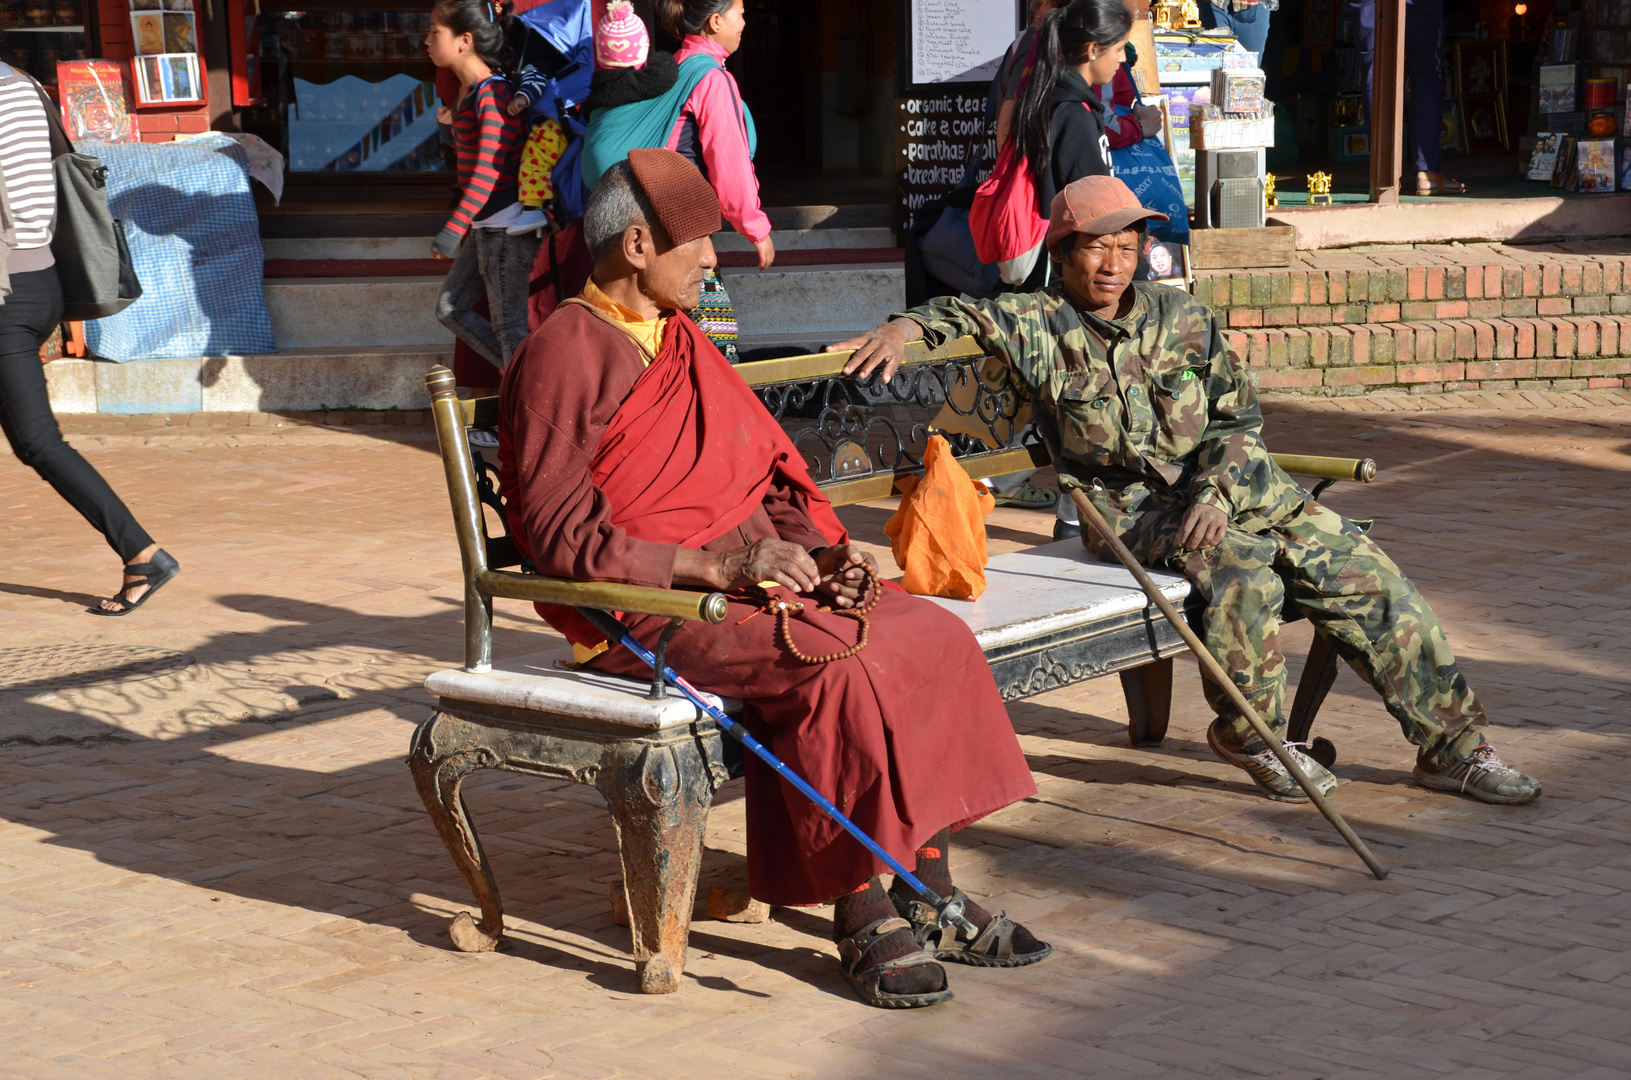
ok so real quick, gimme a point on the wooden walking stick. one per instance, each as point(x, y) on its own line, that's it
point(1214, 671)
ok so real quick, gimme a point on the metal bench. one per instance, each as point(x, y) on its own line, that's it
point(1050, 617)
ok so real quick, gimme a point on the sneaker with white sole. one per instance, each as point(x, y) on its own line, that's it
point(1273, 778)
point(1482, 775)
point(531, 220)
point(482, 439)
point(1027, 497)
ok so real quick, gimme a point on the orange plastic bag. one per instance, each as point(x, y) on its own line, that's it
point(938, 534)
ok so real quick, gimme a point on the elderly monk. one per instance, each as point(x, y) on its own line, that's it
point(1143, 405)
point(631, 451)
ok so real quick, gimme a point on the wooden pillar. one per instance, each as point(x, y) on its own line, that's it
point(1387, 103)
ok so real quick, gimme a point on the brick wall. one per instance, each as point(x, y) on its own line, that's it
point(1432, 318)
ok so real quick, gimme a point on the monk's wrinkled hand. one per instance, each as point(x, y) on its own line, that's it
point(843, 569)
point(1202, 527)
point(768, 560)
point(884, 347)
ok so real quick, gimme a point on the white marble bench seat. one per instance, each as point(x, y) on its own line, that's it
point(1034, 596)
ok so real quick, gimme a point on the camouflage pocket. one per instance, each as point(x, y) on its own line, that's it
point(1089, 417)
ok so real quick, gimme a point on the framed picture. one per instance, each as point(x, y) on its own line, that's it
point(1625, 167)
point(1480, 67)
point(179, 33)
point(147, 31)
point(169, 79)
point(96, 101)
point(1483, 119)
point(1320, 24)
point(1451, 136)
point(1557, 87)
point(1169, 263)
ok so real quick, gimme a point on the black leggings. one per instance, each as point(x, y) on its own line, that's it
point(27, 318)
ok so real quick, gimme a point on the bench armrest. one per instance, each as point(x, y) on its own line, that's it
point(607, 595)
point(1328, 468)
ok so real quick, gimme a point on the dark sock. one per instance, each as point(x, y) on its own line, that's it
point(868, 904)
point(934, 870)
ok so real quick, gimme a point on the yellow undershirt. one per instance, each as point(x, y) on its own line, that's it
point(647, 333)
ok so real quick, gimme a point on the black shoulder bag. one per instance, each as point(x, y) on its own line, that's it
point(93, 258)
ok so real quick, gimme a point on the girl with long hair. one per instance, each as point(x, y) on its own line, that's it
point(467, 38)
point(1060, 118)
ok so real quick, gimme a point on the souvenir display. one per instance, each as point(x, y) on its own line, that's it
point(1543, 162)
point(168, 79)
point(1483, 118)
point(96, 101)
point(1594, 165)
point(1557, 87)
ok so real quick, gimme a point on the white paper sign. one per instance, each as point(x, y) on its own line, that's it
point(960, 40)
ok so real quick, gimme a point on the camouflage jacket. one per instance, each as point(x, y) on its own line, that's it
point(1151, 407)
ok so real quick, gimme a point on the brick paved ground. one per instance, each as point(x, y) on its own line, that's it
point(215, 866)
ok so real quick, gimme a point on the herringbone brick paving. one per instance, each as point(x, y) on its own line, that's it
point(222, 870)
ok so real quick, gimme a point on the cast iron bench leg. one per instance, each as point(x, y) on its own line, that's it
point(659, 794)
point(1319, 675)
point(438, 779)
point(1149, 701)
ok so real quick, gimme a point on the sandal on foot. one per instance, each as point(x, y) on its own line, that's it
point(154, 575)
point(992, 947)
point(852, 953)
point(1426, 185)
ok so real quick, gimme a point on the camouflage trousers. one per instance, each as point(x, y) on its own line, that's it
point(1342, 582)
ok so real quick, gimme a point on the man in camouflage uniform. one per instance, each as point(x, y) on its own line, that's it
point(1141, 404)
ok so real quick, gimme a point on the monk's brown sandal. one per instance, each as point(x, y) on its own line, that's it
point(852, 953)
point(992, 947)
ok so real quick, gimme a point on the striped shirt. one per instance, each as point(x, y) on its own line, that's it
point(488, 142)
point(25, 160)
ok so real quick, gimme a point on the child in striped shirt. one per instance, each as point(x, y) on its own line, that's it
point(467, 38)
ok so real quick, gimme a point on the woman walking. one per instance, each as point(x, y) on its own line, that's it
point(28, 315)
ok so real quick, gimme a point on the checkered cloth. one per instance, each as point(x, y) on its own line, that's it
point(195, 239)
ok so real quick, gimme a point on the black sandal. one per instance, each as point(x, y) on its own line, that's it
point(992, 947)
point(852, 952)
point(154, 575)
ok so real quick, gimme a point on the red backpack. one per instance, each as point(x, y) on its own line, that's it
point(1006, 218)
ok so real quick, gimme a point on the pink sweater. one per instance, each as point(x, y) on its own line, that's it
point(722, 141)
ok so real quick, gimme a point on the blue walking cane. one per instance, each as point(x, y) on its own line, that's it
point(950, 911)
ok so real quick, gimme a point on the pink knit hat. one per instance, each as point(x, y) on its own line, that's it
point(620, 39)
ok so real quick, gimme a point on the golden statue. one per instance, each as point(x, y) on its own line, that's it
point(1319, 189)
point(1163, 14)
point(1271, 201)
point(1190, 15)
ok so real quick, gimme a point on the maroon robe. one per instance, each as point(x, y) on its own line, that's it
point(609, 466)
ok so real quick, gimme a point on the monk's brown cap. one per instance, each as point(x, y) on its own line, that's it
point(685, 203)
point(1097, 206)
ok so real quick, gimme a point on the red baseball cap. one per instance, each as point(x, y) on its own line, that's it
point(1096, 205)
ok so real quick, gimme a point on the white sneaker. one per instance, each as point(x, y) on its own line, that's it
point(531, 220)
point(1271, 777)
point(1482, 775)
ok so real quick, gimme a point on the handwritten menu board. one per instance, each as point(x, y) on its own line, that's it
point(959, 41)
point(935, 139)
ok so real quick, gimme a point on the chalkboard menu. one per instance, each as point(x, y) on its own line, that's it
point(935, 140)
point(947, 44)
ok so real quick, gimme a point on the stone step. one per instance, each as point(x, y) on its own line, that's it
point(812, 306)
point(364, 312)
point(294, 380)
